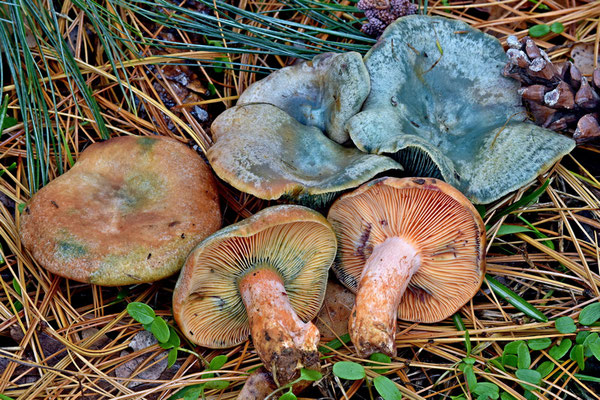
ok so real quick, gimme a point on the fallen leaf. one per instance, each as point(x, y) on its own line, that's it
point(332, 320)
point(152, 369)
point(583, 58)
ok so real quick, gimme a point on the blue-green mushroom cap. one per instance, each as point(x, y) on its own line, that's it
point(324, 92)
point(440, 105)
point(260, 149)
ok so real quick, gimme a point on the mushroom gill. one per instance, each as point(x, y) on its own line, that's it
point(411, 248)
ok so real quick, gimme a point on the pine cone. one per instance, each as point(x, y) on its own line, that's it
point(558, 96)
point(381, 13)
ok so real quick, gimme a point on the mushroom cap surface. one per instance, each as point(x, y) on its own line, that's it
point(261, 150)
point(295, 241)
point(440, 105)
point(436, 219)
point(129, 211)
point(324, 92)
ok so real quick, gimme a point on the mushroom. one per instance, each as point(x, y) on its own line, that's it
point(129, 211)
point(261, 150)
point(410, 248)
point(324, 92)
point(263, 276)
point(440, 106)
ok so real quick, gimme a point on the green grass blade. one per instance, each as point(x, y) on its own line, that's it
point(515, 300)
point(460, 326)
point(523, 201)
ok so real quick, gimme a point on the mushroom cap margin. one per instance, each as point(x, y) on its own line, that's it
point(323, 92)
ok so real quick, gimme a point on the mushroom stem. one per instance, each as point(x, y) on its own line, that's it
point(384, 279)
point(283, 342)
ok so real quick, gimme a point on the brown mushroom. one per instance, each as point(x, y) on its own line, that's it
point(129, 211)
point(412, 249)
point(264, 276)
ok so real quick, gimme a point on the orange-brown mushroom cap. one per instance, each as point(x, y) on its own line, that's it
point(129, 211)
point(436, 219)
point(295, 242)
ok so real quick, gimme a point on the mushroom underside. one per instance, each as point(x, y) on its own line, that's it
point(263, 276)
point(426, 251)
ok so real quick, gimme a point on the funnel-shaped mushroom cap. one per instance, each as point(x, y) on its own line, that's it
point(324, 92)
point(295, 242)
point(129, 211)
point(436, 219)
point(440, 104)
point(262, 150)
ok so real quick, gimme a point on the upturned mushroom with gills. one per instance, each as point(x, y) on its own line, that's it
point(411, 248)
point(264, 276)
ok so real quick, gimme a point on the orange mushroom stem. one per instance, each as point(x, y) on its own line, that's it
point(385, 277)
point(283, 342)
